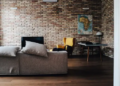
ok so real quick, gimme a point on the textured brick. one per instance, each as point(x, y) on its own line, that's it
point(51, 20)
point(108, 22)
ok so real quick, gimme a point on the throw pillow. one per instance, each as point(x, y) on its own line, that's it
point(8, 50)
point(35, 49)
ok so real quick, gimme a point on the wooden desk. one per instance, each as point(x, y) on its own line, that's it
point(92, 45)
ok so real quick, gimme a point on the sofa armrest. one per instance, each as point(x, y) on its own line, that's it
point(60, 61)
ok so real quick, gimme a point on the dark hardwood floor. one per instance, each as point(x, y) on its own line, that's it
point(80, 73)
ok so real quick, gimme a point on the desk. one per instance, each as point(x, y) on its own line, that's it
point(92, 45)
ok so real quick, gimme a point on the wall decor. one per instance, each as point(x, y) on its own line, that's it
point(85, 24)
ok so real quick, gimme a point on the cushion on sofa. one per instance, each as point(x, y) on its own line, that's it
point(8, 50)
point(35, 49)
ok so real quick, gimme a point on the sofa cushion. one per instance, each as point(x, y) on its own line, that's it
point(8, 50)
point(55, 63)
point(35, 49)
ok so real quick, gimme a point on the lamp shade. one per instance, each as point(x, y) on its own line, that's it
point(49, 0)
point(99, 33)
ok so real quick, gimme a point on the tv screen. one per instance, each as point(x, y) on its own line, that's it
point(32, 39)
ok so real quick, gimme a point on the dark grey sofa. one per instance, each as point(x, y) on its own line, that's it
point(24, 64)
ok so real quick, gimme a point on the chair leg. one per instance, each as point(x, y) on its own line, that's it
point(68, 54)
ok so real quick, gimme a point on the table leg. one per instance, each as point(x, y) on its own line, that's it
point(100, 53)
point(92, 50)
point(82, 50)
point(88, 54)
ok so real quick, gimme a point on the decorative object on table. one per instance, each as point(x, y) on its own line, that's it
point(99, 36)
point(85, 24)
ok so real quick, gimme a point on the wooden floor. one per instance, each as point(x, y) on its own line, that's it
point(80, 73)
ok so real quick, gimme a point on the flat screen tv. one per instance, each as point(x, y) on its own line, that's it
point(32, 39)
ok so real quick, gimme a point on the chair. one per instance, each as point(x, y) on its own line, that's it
point(68, 45)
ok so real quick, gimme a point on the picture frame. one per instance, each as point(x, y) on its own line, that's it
point(85, 24)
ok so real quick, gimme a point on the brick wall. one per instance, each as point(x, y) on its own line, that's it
point(51, 20)
point(108, 22)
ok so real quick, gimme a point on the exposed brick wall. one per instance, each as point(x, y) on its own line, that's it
point(51, 20)
point(108, 22)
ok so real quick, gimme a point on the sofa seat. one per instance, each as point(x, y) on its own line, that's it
point(9, 65)
point(55, 63)
point(24, 64)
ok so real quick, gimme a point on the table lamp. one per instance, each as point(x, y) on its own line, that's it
point(99, 36)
